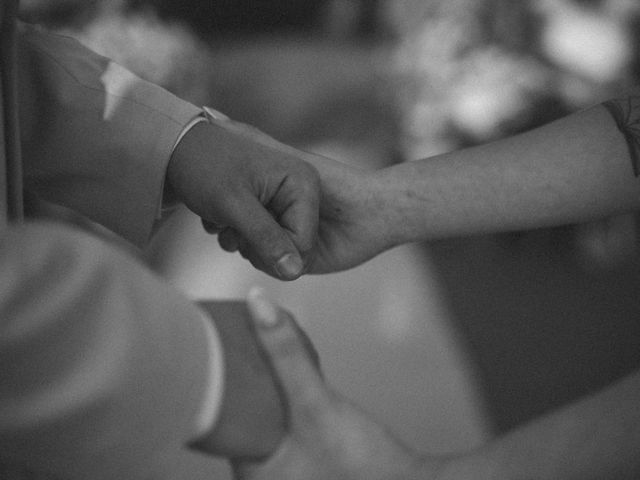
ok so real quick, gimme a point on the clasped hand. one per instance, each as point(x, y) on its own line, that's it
point(261, 201)
point(328, 437)
point(279, 206)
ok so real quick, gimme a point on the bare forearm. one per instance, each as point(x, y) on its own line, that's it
point(595, 438)
point(573, 170)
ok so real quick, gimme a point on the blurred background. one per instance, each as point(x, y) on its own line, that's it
point(450, 342)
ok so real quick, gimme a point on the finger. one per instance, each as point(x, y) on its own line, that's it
point(229, 240)
point(299, 378)
point(211, 227)
point(248, 254)
point(297, 206)
point(268, 240)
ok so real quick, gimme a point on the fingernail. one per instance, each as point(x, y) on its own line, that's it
point(262, 310)
point(289, 266)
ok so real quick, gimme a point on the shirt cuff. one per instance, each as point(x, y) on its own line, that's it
point(208, 114)
point(196, 120)
point(166, 206)
point(214, 390)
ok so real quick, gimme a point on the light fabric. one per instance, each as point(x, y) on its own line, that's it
point(103, 367)
point(96, 137)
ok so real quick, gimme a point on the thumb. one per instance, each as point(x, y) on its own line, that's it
point(294, 363)
point(267, 240)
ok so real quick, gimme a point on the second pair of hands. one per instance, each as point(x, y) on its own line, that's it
point(276, 202)
point(279, 420)
point(327, 436)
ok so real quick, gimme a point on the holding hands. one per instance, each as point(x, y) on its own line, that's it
point(335, 217)
point(259, 199)
point(524, 182)
point(333, 213)
point(328, 437)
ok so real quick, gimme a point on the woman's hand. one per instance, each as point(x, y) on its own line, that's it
point(328, 437)
point(355, 223)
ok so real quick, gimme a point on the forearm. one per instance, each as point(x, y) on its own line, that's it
point(573, 170)
point(597, 437)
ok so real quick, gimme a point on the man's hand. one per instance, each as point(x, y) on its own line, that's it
point(263, 201)
point(328, 438)
point(355, 223)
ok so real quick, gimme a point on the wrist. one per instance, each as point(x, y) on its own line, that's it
point(389, 210)
point(169, 195)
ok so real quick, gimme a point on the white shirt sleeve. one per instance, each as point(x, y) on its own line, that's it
point(212, 401)
point(206, 115)
point(189, 126)
point(163, 207)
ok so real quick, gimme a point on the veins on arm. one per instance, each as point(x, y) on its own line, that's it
point(626, 113)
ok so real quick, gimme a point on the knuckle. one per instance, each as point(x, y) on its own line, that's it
point(228, 241)
point(309, 176)
point(301, 173)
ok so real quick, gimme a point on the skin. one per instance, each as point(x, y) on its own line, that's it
point(577, 169)
point(269, 198)
point(573, 170)
point(329, 437)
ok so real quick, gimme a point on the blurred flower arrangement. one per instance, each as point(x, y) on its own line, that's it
point(479, 70)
